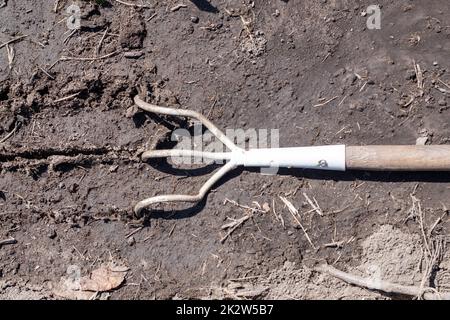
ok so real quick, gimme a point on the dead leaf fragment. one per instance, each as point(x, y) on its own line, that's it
point(102, 279)
point(105, 278)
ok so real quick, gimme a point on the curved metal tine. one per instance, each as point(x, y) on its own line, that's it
point(185, 198)
point(187, 113)
point(166, 153)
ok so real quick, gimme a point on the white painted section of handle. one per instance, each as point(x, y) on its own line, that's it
point(321, 157)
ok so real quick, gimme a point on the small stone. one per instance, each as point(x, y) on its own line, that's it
point(133, 54)
point(131, 241)
point(52, 234)
point(435, 63)
point(131, 111)
point(363, 14)
point(73, 188)
point(195, 19)
point(113, 168)
point(410, 75)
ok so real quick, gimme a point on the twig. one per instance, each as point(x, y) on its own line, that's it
point(334, 244)
point(64, 58)
point(172, 229)
point(385, 286)
point(48, 74)
point(444, 83)
point(233, 226)
point(133, 232)
point(66, 39)
point(7, 241)
point(342, 101)
point(314, 205)
point(99, 46)
point(53, 64)
point(294, 213)
point(324, 103)
point(278, 217)
point(11, 55)
point(133, 4)
point(152, 16)
point(253, 210)
point(417, 209)
point(435, 224)
point(178, 7)
point(9, 135)
point(55, 8)
point(37, 42)
point(363, 86)
point(432, 248)
point(419, 75)
point(67, 98)
point(12, 40)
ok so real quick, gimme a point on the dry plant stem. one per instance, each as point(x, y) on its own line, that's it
point(99, 46)
point(385, 286)
point(11, 55)
point(12, 40)
point(296, 216)
point(9, 135)
point(178, 7)
point(64, 58)
point(234, 226)
point(46, 73)
point(55, 7)
point(133, 4)
point(67, 98)
point(325, 103)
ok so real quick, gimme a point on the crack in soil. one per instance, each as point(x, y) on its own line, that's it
point(72, 151)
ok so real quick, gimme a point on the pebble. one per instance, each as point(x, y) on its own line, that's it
point(195, 19)
point(133, 54)
point(410, 75)
point(52, 234)
point(131, 241)
point(73, 188)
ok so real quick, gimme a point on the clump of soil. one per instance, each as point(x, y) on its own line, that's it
point(132, 29)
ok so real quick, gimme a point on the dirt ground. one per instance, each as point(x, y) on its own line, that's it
point(71, 171)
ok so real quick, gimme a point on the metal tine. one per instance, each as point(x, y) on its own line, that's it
point(187, 113)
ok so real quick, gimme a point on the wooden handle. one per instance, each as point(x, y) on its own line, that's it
point(398, 158)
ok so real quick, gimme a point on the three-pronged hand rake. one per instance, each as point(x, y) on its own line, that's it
point(334, 157)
